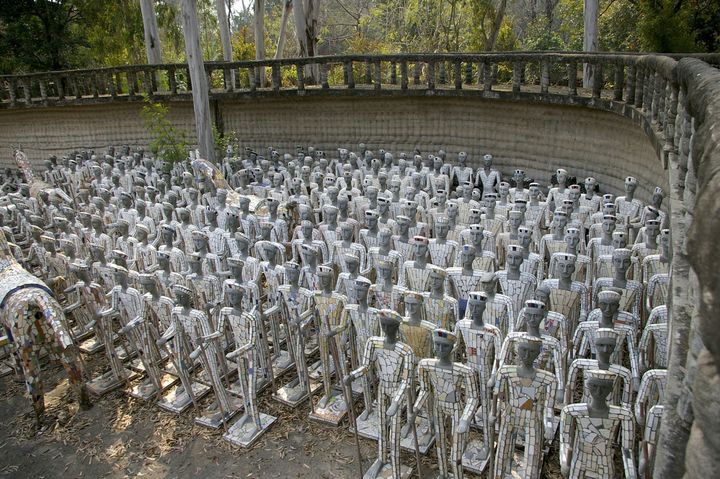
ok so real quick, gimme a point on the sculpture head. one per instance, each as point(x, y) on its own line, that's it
point(561, 176)
point(515, 219)
point(403, 224)
point(467, 256)
point(437, 279)
point(442, 227)
point(535, 312)
point(525, 237)
point(413, 304)
point(421, 247)
point(572, 238)
point(384, 270)
point(462, 159)
point(566, 265)
point(346, 231)
point(361, 287)
point(599, 384)
point(514, 257)
point(542, 293)
point(352, 262)
point(182, 295)
point(443, 344)
point(325, 277)
point(621, 260)
point(237, 267)
point(630, 185)
point(389, 323)
point(609, 223)
point(384, 237)
point(609, 302)
point(487, 161)
point(605, 344)
point(477, 303)
point(489, 284)
point(292, 272)
point(527, 349)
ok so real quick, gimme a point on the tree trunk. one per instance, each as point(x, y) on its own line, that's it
point(306, 14)
point(283, 29)
point(225, 35)
point(590, 38)
point(497, 23)
point(150, 26)
point(200, 91)
point(260, 37)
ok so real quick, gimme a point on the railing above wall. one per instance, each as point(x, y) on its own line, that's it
point(617, 77)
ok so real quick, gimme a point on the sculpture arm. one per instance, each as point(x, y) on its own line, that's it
point(424, 389)
point(628, 442)
point(472, 398)
point(566, 439)
point(634, 367)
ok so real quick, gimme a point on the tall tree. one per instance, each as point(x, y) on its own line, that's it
point(200, 92)
point(224, 24)
point(287, 7)
point(260, 37)
point(590, 39)
point(150, 27)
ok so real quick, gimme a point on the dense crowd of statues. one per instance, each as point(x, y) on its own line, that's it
point(480, 316)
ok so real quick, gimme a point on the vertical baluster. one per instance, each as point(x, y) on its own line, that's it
point(597, 80)
point(431, 74)
point(368, 72)
point(647, 90)
point(639, 88)
point(572, 78)
point(544, 76)
point(77, 87)
point(228, 78)
point(188, 80)
point(172, 81)
point(132, 80)
point(12, 91)
point(661, 102)
point(457, 66)
point(147, 83)
point(275, 73)
point(300, 78)
point(252, 73)
point(393, 73)
point(630, 87)
point(403, 75)
point(487, 77)
point(618, 82)
point(468, 72)
point(259, 79)
point(517, 76)
point(349, 74)
point(416, 73)
point(442, 73)
point(42, 82)
point(59, 87)
point(671, 117)
point(94, 87)
point(376, 70)
point(324, 76)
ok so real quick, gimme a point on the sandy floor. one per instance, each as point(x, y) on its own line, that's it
point(123, 437)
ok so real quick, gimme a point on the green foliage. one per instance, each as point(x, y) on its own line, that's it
point(168, 143)
point(223, 140)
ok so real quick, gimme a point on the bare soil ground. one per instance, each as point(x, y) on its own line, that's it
point(121, 437)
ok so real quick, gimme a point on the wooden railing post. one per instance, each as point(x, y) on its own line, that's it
point(275, 73)
point(324, 76)
point(488, 77)
point(468, 72)
point(172, 81)
point(393, 73)
point(597, 79)
point(300, 70)
point(441, 73)
point(639, 80)
point(630, 89)
point(416, 72)
point(376, 71)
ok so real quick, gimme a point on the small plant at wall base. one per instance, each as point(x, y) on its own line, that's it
point(169, 143)
point(222, 140)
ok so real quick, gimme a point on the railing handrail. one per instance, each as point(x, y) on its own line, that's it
point(585, 57)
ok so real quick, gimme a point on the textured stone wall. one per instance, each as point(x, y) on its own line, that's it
point(536, 137)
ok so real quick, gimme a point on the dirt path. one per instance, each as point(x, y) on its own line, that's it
point(122, 437)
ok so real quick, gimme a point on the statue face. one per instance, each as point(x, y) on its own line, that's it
point(235, 297)
point(292, 274)
point(467, 257)
point(384, 237)
point(403, 226)
point(487, 161)
point(476, 236)
point(372, 222)
point(395, 188)
point(420, 250)
point(572, 239)
point(514, 259)
point(442, 347)
point(437, 281)
point(542, 295)
point(307, 231)
point(474, 217)
point(441, 198)
point(489, 287)
point(608, 225)
point(534, 317)
point(534, 192)
point(608, 307)
point(361, 290)
point(560, 220)
point(346, 234)
point(504, 189)
point(565, 267)
point(382, 207)
point(527, 352)
point(652, 230)
point(331, 216)
point(599, 388)
point(573, 195)
point(621, 263)
point(605, 347)
point(515, 222)
point(630, 187)
point(519, 177)
point(524, 238)
point(561, 177)
point(325, 281)
point(442, 230)
point(385, 273)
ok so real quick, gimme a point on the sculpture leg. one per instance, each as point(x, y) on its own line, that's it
point(325, 361)
point(458, 447)
point(440, 442)
point(394, 443)
point(69, 359)
point(534, 435)
point(383, 427)
point(505, 446)
point(33, 382)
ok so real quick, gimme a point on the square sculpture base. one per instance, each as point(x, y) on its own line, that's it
point(385, 471)
point(471, 459)
point(215, 420)
point(145, 390)
point(282, 363)
point(292, 394)
point(81, 334)
point(333, 412)
point(315, 370)
point(369, 427)
point(5, 368)
point(107, 382)
point(179, 403)
point(91, 345)
point(246, 435)
point(425, 435)
point(123, 354)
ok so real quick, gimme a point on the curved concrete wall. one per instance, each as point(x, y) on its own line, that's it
point(536, 137)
